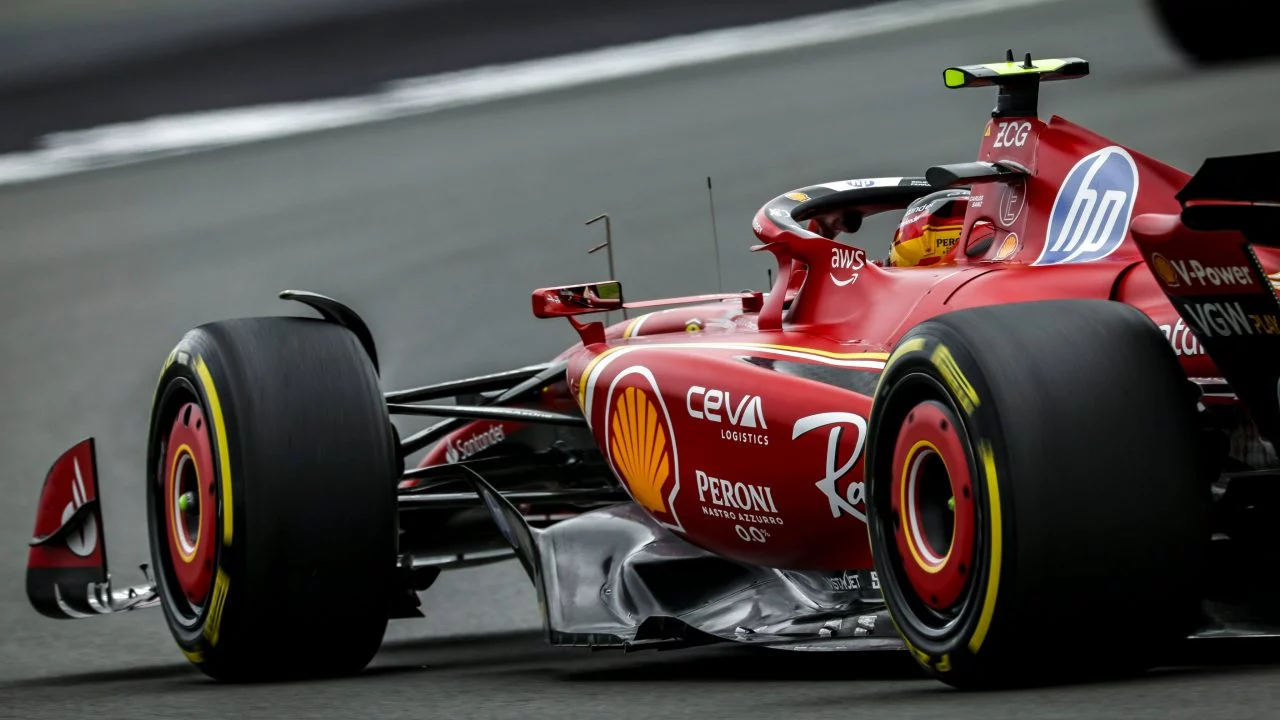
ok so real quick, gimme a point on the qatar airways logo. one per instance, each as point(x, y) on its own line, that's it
point(457, 450)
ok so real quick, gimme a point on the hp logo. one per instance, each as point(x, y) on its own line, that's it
point(1092, 211)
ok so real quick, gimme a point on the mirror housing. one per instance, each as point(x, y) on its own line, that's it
point(570, 300)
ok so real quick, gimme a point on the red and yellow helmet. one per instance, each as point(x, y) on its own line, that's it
point(930, 229)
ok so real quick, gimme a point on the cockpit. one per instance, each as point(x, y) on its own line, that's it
point(932, 229)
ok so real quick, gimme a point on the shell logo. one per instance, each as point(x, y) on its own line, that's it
point(1007, 247)
point(640, 448)
point(1164, 269)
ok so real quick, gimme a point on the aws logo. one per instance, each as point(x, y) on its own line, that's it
point(641, 444)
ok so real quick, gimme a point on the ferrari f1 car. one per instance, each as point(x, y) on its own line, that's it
point(1067, 427)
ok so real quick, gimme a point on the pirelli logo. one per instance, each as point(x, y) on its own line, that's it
point(217, 602)
point(955, 379)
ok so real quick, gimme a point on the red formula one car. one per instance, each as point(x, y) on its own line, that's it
point(1063, 428)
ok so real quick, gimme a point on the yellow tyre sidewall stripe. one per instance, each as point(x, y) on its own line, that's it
point(988, 461)
point(222, 582)
point(224, 454)
point(933, 351)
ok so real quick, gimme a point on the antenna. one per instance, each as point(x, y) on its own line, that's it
point(715, 238)
point(770, 272)
point(607, 246)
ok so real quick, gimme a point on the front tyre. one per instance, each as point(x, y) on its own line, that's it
point(271, 499)
point(1033, 491)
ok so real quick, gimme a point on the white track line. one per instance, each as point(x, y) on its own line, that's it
point(112, 145)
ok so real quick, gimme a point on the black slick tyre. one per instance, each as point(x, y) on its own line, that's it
point(271, 500)
point(1035, 506)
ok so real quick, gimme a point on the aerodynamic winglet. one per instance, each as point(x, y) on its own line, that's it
point(522, 538)
point(67, 574)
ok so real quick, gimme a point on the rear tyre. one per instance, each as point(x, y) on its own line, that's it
point(1224, 31)
point(1034, 502)
point(271, 499)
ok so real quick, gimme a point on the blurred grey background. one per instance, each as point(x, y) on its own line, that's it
point(72, 64)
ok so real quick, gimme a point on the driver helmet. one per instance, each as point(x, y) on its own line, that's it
point(930, 229)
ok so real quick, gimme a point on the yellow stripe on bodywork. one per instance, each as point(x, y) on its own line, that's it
point(586, 372)
point(997, 548)
point(224, 454)
point(823, 353)
point(594, 361)
point(630, 331)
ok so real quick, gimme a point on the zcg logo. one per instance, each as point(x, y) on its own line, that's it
point(1012, 134)
point(1091, 213)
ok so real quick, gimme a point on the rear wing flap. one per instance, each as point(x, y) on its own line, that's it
point(1240, 192)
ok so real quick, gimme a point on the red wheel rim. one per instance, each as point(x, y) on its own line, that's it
point(190, 503)
point(930, 475)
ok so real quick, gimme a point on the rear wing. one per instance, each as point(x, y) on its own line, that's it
point(1236, 193)
point(1204, 260)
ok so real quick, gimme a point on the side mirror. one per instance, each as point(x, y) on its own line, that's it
point(571, 300)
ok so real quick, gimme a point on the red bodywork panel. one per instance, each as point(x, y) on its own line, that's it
point(743, 430)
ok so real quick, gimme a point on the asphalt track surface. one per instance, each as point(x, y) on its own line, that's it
point(333, 54)
point(436, 228)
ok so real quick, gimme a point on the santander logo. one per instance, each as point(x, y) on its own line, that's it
point(457, 450)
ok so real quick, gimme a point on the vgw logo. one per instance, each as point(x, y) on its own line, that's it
point(1091, 214)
